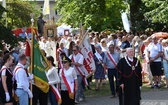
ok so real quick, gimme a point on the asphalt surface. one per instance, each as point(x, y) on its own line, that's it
point(159, 96)
point(151, 95)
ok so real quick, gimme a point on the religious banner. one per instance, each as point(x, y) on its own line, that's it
point(40, 65)
point(86, 51)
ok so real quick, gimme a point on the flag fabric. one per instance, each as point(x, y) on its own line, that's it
point(27, 50)
point(86, 51)
point(46, 7)
point(40, 65)
point(125, 21)
point(4, 3)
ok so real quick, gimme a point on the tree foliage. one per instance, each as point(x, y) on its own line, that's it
point(19, 11)
point(159, 12)
point(140, 17)
point(5, 33)
point(18, 16)
point(99, 14)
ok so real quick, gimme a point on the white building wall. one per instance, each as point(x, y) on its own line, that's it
point(40, 4)
point(53, 13)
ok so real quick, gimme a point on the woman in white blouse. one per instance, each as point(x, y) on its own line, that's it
point(53, 80)
point(68, 84)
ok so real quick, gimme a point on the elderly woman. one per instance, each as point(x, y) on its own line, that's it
point(100, 72)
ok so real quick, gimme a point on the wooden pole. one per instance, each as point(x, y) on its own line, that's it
point(31, 57)
point(82, 38)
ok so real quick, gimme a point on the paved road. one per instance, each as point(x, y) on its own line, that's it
point(154, 94)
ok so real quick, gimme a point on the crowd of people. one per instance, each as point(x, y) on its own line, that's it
point(126, 60)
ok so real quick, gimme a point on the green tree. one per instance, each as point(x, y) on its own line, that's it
point(99, 14)
point(159, 12)
point(6, 33)
point(19, 11)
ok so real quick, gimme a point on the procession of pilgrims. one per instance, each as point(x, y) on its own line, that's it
point(123, 60)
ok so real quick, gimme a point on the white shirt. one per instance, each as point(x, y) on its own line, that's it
point(42, 45)
point(70, 74)
point(50, 46)
point(105, 49)
point(52, 76)
point(21, 77)
point(154, 49)
point(80, 59)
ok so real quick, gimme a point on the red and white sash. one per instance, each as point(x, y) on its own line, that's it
point(112, 60)
point(99, 57)
point(59, 50)
point(57, 94)
point(16, 69)
point(69, 84)
point(80, 72)
point(4, 68)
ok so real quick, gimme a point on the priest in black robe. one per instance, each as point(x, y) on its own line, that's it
point(130, 79)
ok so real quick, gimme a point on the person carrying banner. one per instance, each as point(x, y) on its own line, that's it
point(68, 85)
point(130, 79)
point(53, 80)
point(6, 80)
point(77, 63)
point(110, 60)
point(40, 97)
point(22, 80)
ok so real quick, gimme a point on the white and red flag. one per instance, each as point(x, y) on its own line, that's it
point(86, 51)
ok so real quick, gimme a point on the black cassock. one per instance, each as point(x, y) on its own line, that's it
point(129, 74)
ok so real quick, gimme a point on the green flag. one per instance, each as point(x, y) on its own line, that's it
point(39, 68)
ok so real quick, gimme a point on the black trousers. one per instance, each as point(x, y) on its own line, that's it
point(39, 95)
point(111, 74)
point(65, 98)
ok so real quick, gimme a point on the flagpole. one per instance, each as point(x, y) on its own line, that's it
point(32, 56)
point(82, 38)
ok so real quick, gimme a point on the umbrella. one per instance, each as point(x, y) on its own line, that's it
point(160, 35)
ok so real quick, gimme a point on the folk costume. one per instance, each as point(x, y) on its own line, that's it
point(129, 74)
